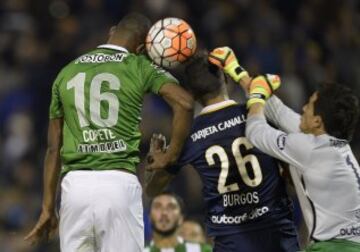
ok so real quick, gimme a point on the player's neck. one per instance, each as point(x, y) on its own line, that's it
point(214, 100)
point(165, 242)
point(121, 42)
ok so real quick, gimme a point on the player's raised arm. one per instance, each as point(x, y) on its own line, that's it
point(275, 111)
point(47, 223)
point(281, 115)
point(269, 140)
point(181, 104)
point(225, 59)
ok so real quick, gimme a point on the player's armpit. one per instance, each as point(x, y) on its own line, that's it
point(294, 148)
point(176, 95)
point(182, 105)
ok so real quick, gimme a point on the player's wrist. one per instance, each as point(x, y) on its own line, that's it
point(235, 71)
point(255, 99)
point(172, 155)
point(245, 84)
point(260, 91)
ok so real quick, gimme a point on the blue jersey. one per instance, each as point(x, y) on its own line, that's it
point(242, 187)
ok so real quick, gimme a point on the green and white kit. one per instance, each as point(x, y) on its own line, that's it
point(182, 246)
point(100, 96)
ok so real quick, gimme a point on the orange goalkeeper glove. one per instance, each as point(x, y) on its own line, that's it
point(224, 58)
point(262, 87)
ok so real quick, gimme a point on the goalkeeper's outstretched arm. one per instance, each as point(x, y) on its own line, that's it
point(275, 111)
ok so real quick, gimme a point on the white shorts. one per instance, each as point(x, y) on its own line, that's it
point(101, 211)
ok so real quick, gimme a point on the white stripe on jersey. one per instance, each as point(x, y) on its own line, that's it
point(192, 247)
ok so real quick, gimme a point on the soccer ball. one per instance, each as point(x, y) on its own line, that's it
point(170, 41)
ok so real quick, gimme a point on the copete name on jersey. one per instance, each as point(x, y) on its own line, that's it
point(92, 138)
point(205, 132)
point(101, 58)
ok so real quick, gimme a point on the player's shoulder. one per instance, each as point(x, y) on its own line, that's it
point(64, 71)
point(239, 108)
point(309, 140)
point(151, 248)
point(145, 61)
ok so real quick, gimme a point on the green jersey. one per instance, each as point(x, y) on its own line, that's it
point(183, 246)
point(100, 96)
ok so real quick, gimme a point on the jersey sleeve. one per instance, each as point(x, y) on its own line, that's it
point(282, 116)
point(154, 77)
point(293, 148)
point(56, 107)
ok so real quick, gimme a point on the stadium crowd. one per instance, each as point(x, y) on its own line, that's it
point(306, 42)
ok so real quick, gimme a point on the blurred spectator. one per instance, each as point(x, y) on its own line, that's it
point(193, 231)
point(166, 216)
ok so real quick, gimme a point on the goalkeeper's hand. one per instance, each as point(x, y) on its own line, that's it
point(262, 87)
point(224, 58)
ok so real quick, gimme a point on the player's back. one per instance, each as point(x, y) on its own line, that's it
point(242, 186)
point(100, 96)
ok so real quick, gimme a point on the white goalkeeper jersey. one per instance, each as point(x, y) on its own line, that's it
point(325, 172)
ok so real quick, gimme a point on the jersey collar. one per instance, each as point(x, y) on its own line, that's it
point(113, 47)
point(179, 239)
point(217, 106)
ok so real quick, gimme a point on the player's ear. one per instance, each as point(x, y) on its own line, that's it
point(112, 30)
point(140, 49)
point(318, 122)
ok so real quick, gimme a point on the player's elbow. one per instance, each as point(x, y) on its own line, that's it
point(250, 133)
point(152, 191)
point(186, 103)
point(156, 182)
point(53, 149)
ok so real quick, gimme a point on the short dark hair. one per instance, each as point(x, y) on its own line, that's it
point(339, 109)
point(178, 199)
point(201, 77)
point(135, 23)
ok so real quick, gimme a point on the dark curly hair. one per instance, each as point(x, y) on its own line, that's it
point(201, 77)
point(339, 109)
point(178, 199)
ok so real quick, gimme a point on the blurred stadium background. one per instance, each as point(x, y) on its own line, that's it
point(305, 41)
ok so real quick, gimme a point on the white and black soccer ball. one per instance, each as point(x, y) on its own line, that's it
point(170, 41)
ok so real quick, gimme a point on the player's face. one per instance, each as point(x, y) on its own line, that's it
point(309, 121)
point(192, 231)
point(165, 215)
